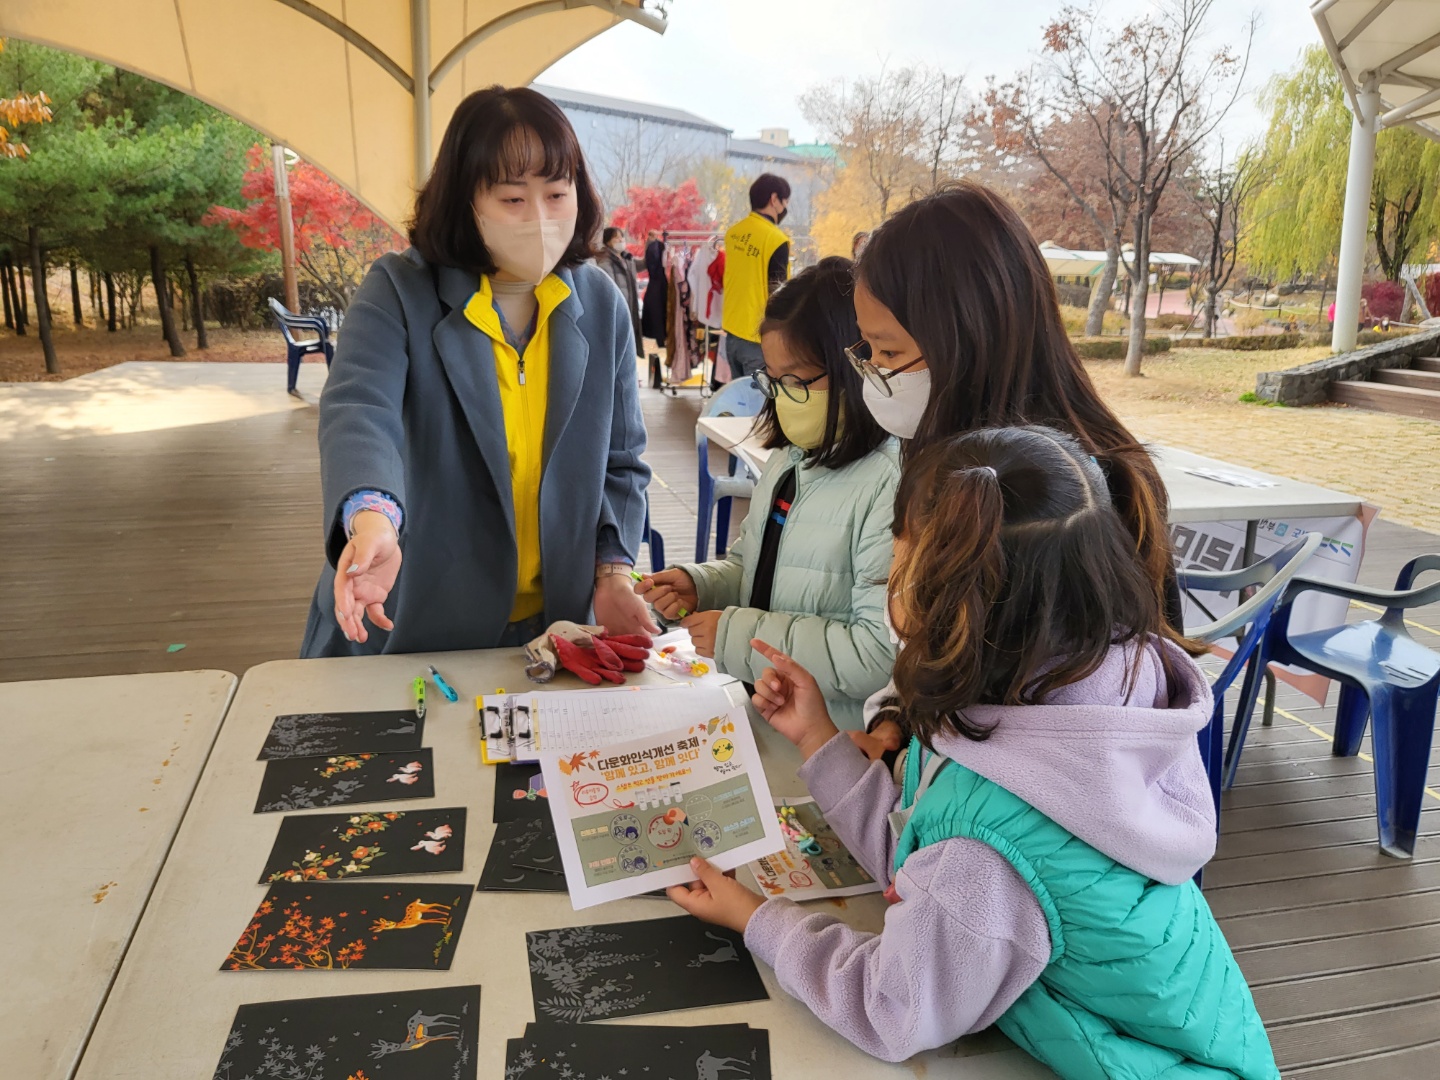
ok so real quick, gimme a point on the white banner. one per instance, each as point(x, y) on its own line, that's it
point(1221, 546)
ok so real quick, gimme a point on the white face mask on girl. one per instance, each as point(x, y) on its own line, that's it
point(890, 626)
point(900, 413)
point(527, 250)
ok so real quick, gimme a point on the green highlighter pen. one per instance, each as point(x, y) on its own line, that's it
point(419, 687)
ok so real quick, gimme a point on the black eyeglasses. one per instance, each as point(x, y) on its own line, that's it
point(794, 387)
point(878, 377)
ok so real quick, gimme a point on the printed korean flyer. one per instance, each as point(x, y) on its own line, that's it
point(629, 816)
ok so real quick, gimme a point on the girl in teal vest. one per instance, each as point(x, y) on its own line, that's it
point(1040, 850)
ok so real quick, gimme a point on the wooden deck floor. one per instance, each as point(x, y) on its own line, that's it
point(204, 530)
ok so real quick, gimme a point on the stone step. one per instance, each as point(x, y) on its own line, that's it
point(1422, 379)
point(1426, 363)
point(1382, 397)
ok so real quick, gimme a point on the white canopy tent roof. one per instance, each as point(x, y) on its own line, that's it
point(1388, 55)
point(332, 79)
point(1071, 262)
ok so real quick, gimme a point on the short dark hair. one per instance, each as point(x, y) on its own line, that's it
point(611, 231)
point(1016, 578)
point(815, 313)
point(488, 141)
point(766, 185)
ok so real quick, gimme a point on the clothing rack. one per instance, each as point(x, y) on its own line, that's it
point(707, 336)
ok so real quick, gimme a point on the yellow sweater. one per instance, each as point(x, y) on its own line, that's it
point(524, 392)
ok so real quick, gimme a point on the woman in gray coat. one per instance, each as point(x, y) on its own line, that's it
point(481, 423)
point(619, 267)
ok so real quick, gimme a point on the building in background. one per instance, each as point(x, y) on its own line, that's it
point(634, 144)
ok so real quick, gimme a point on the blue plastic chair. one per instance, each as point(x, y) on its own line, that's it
point(739, 398)
point(295, 351)
point(1385, 676)
point(1248, 623)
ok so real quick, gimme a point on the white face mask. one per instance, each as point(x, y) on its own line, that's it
point(900, 413)
point(527, 250)
point(890, 626)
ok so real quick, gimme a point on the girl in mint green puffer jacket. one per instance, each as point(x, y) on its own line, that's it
point(807, 574)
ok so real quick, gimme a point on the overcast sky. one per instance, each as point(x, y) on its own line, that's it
point(745, 63)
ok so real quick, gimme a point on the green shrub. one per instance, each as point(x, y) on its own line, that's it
point(1116, 348)
point(1255, 342)
point(1170, 320)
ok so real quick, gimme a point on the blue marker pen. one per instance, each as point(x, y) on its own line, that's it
point(444, 687)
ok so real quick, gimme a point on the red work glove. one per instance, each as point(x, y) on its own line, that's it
point(632, 650)
point(592, 664)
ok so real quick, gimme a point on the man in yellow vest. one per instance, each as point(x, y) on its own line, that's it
point(757, 261)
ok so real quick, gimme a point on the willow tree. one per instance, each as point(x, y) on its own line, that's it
point(1295, 218)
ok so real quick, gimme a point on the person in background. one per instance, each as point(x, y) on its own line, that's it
point(481, 418)
point(757, 262)
point(808, 571)
point(619, 265)
point(1039, 854)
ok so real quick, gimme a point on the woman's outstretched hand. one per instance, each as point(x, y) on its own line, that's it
point(365, 574)
point(790, 700)
point(619, 610)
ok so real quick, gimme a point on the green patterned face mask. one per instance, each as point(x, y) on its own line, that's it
point(804, 422)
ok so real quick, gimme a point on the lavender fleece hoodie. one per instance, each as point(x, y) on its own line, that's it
point(1120, 771)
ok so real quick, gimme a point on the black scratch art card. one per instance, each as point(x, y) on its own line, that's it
point(321, 734)
point(581, 973)
point(372, 844)
point(341, 779)
point(409, 1035)
point(361, 925)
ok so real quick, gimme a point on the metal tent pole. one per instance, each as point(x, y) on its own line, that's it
point(420, 74)
point(1355, 229)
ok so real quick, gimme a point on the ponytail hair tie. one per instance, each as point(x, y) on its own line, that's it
point(991, 470)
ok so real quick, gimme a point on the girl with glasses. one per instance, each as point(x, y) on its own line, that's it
point(807, 573)
point(960, 329)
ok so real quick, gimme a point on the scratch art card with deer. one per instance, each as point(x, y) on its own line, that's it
point(340, 779)
point(714, 1052)
point(630, 815)
point(316, 734)
point(411, 1035)
point(371, 844)
point(344, 925)
point(581, 973)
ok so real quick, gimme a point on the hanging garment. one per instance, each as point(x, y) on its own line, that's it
point(652, 318)
point(705, 293)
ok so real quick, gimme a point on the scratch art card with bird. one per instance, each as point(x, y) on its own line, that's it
point(630, 815)
point(341, 779)
point(410, 1035)
point(333, 927)
point(320, 733)
point(581, 973)
point(370, 844)
point(714, 1052)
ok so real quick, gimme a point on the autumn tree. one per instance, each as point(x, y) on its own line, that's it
point(1297, 213)
point(1152, 92)
point(336, 236)
point(680, 209)
point(1223, 195)
point(20, 108)
point(903, 130)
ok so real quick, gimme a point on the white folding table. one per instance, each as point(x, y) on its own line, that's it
point(95, 775)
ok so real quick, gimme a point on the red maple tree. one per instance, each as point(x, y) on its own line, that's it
point(680, 209)
point(336, 237)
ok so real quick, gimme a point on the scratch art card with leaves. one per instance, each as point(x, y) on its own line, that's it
point(318, 734)
point(603, 1051)
point(581, 973)
point(410, 1035)
point(519, 793)
point(344, 925)
point(341, 779)
point(630, 815)
point(371, 844)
